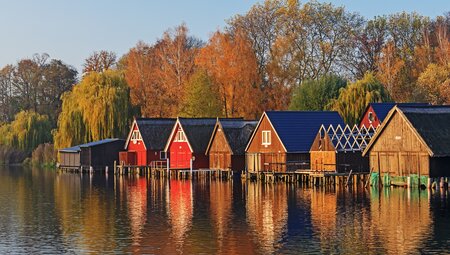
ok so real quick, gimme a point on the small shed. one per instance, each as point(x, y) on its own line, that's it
point(226, 148)
point(187, 143)
point(339, 149)
point(282, 139)
point(69, 158)
point(98, 154)
point(412, 142)
point(146, 141)
point(375, 113)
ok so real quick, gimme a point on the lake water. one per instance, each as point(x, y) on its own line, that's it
point(42, 211)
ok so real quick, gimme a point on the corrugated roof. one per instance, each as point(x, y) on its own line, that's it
point(77, 148)
point(155, 131)
point(432, 123)
point(297, 129)
point(382, 109)
point(238, 132)
point(198, 132)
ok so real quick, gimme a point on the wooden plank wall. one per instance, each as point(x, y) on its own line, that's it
point(398, 151)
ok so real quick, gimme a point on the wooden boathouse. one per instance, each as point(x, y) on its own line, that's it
point(226, 147)
point(187, 143)
point(282, 139)
point(94, 155)
point(145, 142)
point(375, 113)
point(412, 147)
point(339, 149)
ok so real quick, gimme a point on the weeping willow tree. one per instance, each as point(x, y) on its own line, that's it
point(353, 99)
point(96, 108)
point(27, 131)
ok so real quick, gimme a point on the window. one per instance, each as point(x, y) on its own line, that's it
point(371, 117)
point(266, 138)
point(136, 136)
point(179, 137)
point(162, 155)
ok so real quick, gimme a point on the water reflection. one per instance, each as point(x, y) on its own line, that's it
point(401, 218)
point(137, 207)
point(267, 214)
point(180, 209)
point(46, 212)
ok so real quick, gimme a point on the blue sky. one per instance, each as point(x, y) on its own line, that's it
point(72, 30)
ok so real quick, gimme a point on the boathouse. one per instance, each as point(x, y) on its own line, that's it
point(226, 148)
point(282, 139)
point(339, 149)
point(146, 141)
point(97, 155)
point(187, 143)
point(413, 143)
point(375, 113)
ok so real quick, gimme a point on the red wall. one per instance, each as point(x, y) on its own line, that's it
point(179, 153)
point(365, 120)
point(141, 152)
point(180, 156)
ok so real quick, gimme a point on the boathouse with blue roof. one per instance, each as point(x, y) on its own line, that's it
point(282, 139)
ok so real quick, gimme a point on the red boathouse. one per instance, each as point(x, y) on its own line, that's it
point(146, 141)
point(375, 113)
point(188, 141)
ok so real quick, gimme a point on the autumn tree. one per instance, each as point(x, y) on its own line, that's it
point(313, 41)
point(231, 62)
point(34, 84)
point(260, 25)
point(8, 101)
point(353, 99)
point(141, 68)
point(201, 98)
point(177, 52)
point(96, 108)
point(366, 47)
point(161, 72)
point(100, 61)
point(435, 80)
point(317, 94)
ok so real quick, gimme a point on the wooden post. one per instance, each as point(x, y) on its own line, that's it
point(168, 167)
point(348, 178)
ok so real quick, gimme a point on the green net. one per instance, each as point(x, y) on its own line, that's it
point(386, 180)
point(374, 179)
point(414, 180)
point(424, 181)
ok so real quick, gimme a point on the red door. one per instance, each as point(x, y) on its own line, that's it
point(180, 155)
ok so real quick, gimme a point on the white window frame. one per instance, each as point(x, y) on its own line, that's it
point(161, 153)
point(136, 136)
point(371, 117)
point(266, 137)
point(180, 136)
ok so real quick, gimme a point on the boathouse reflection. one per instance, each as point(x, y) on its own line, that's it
point(267, 214)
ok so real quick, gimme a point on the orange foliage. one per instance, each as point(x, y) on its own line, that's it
point(231, 62)
point(157, 74)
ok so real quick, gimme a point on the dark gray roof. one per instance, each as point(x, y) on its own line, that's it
point(238, 133)
point(198, 132)
point(382, 109)
point(155, 131)
point(432, 123)
point(77, 148)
